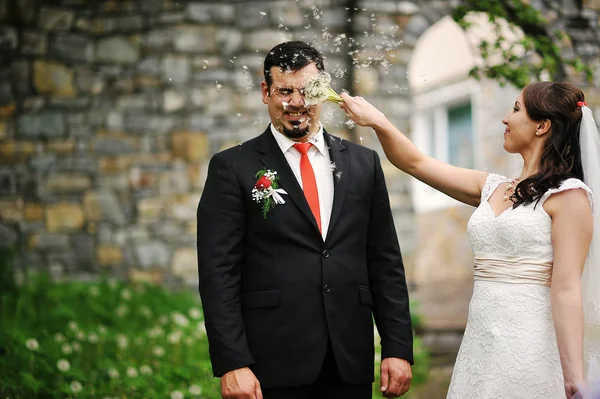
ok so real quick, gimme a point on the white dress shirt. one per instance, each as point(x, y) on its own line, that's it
point(319, 158)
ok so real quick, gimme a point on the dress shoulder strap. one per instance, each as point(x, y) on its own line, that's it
point(491, 183)
point(570, 184)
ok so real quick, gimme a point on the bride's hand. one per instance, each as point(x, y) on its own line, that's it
point(575, 390)
point(361, 111)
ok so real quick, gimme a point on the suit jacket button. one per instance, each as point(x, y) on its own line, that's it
point(326, 288)
point(326, 254)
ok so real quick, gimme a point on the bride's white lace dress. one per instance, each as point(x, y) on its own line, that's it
point(509, 347)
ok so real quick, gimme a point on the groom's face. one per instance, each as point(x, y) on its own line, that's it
point(285, 101)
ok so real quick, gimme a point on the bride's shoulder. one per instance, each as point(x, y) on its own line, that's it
point(568, 185)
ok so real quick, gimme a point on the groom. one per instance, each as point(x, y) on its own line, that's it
point(289, 290)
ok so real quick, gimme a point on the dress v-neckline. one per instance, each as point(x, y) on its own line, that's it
point(494, 213)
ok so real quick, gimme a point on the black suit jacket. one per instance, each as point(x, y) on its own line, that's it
point(274, 293)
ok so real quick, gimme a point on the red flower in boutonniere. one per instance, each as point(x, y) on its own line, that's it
point(266, 191)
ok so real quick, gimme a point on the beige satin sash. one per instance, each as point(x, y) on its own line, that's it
point(513, 269)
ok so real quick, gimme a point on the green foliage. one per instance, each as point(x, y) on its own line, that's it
point(111, 340)
point(519, 70)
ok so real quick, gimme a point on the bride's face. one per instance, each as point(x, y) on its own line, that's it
point(520, 128)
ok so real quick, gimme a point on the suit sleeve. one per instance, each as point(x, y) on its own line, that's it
point(386, 276)
point(221, 232)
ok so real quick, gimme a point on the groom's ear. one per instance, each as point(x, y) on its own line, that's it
point(265, 92)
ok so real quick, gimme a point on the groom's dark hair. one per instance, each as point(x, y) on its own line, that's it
point(291, 56)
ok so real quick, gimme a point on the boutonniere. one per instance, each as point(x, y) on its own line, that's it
point(266, 191)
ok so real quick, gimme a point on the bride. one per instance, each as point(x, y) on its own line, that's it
point(531, 238)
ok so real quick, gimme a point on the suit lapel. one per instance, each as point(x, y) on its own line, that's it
point(340, 176)
point(272, 158)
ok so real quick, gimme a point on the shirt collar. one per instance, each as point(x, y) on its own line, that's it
point(318, 140)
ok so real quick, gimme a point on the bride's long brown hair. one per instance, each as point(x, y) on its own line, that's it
point(561, 157)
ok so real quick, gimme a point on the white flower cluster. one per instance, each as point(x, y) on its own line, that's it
point(259, 194)
point(318, 90)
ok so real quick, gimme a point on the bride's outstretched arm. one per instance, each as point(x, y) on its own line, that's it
point(464, 185)
point(571, 235)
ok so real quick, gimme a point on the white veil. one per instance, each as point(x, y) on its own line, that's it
point(590, 279)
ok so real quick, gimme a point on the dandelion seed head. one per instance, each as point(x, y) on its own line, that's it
point(32, 344)
point(63, 365)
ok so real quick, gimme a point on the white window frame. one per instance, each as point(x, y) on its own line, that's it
point(437, 102)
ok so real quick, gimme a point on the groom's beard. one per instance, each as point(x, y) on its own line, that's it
point(296, 132)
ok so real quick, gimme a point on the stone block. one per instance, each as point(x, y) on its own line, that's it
point(185, 264)
point(72, 48)
point(229, 40)
point(64, 216)
point(33, 212)
point(53, 79)
point(176, 69)
point(152, 254)
point(80, 163)
point(592, 4)
point(143, 276)
point(55, 19)
point(61, 146)
point(190, 146)
point(16, 150)
point(11, 211)
point(265, 39)
point(34, 43)
point(103, 205)
point(150, 210)
point(159, 39)
point(183, 207)
point(48, 241)
point(8, 236)
point(84, 246)
point(113, 145)
point(67, 184)
point(108, 255)
point(174, 100)
point(211, 13)
point(118, 49)
point(196, 39)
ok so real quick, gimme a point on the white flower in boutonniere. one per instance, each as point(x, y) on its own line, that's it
point(318, 90)
point(266, 191)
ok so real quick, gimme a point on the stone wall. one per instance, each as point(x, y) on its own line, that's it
point(111, 109)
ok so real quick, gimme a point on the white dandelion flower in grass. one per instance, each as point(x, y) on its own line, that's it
point(176, 395)
point(101, 329)
point(113, 372)
point(80, 335)
point(93, 338)
point(122, 341)
point(318, 90)
point(94, 291)
point(195, 313)
point(67, 349)
point(195, 390)
point(76, 346)
point(180, 319)
point(63, 365)
point(174, 337)
point(162, 320)
point(58, 337)
point(158, 351)
point(132, 372)
point(126, 294)
point(145, 370)
point(155, 332)
point(76, 387)
point(189, 341)
point(73, 325)
point(145, 311)
point(32, 344)
point(122, 310)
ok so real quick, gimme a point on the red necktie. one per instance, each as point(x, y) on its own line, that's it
point(309, 183)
